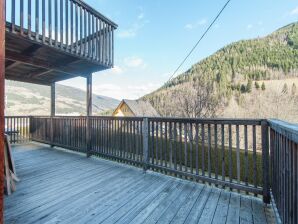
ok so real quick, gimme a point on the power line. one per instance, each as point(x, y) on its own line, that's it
point(194, 47)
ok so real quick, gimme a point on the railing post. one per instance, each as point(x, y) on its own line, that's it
point(145, 143)
point(88, 136)
point(265, 161)
point(30, 128)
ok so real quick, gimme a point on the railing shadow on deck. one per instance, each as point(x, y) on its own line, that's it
point(68, 25)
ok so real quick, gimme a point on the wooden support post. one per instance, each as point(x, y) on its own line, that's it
point(89, 113)
point(53, 111)
point(2, 101)
point(145, 143)
point(265, 161)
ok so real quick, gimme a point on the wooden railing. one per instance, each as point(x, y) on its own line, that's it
point(284, 166)
point(17, 128)
point(68, 25)
point(229, 153)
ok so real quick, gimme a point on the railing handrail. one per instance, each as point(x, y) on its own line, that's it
point(95, 12)
point(290, 130)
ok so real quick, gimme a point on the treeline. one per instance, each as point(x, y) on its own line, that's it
point(239, 67)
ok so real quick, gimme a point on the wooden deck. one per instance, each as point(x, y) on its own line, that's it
point(58, 186)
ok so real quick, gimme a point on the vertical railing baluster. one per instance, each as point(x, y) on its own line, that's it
point(230, 154)
point(66, 25)
point(56, 23)
point(265, 160)
point(29, 18)
point(254, 146)
point(71, 27)
point(37, 20)
point(161, 144)
point(85, 34)
point(190, 147)
point(203, 149)
point(238, 153)
point(81, 31)
point(209, 150)
point(89, 35)
point(13, 15)
point(145, 143)
point(61, 24)
point(166, 145)
point(246, 165)
point(216, 151)
point(43, 15)
point(22, 17)
point(197, 147)
point(175, 145)
point(171, 146)
point(76, 29)
point(50, 22)
point(185, 147)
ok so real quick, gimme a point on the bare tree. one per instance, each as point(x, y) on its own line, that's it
point(198, 99)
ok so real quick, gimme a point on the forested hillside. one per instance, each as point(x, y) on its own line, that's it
point(232, 76)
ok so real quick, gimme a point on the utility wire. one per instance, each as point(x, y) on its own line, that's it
point(194, 47)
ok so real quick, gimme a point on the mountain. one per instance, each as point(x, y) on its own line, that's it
point(30, 99)
point(264, 68)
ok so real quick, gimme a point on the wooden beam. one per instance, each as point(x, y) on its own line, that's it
point(53, 99)
point(40, 73)
point(2, 101)
point(30, 51)
point(89, 95)
point(26, 79)
point(25, 59)
point(12, 65)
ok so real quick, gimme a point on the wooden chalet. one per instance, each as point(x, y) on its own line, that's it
point(135, 108)
point(142, 169)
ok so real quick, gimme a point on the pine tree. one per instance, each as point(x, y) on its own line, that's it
point(257, 85)
point(285, 89)
point(249, 86)
point(243, 88)
point(294, 89)
point(263, 86)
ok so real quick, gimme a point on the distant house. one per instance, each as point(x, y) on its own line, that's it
point(135, 108)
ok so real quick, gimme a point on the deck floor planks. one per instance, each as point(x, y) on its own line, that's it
point(75, 201)
point(61, 187)
point(221, 212)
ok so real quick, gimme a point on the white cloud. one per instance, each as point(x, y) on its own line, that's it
point(141, 15)
point(294, 11)
point(191, 26)
point(249, 26)
point(116, 70)
point(134, 62)
point(202, 22)
point(127, 33)
point(124, 92)
point(133, 30)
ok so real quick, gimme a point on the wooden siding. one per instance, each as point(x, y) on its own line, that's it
point(61, 187)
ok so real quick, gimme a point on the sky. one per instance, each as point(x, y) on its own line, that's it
point(154, 36)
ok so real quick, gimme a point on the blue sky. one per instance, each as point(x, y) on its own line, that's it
point(154, 36)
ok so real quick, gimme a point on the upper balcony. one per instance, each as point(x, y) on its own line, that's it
point(52, 40)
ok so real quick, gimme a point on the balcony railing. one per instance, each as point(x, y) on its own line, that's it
point(284, 166)
point(68, 25)
point(231, 153)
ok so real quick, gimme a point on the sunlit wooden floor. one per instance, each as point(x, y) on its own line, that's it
point(58, 186)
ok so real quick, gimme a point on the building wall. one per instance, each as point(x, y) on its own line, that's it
point(123, 111)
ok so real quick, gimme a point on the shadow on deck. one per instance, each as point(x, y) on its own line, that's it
point(58, 186)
